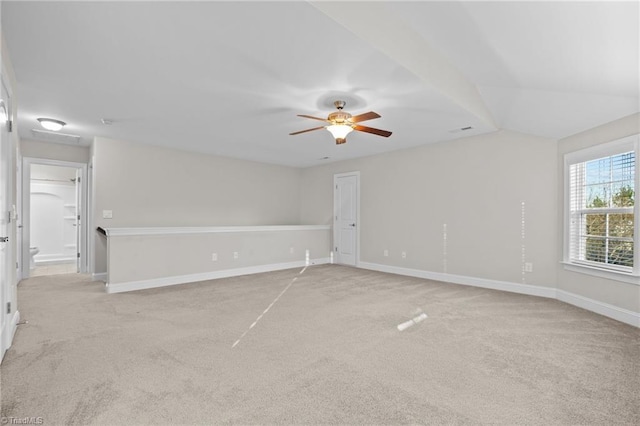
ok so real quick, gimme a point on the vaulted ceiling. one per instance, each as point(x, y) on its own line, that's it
point(228, 78)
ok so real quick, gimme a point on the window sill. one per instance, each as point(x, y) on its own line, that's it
point(626, 277)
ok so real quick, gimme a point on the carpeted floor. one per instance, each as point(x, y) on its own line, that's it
point(327, 351)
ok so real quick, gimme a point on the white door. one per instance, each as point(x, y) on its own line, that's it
point(18, 243)
point(5, 295)
point(345, 224)
point(77, 220)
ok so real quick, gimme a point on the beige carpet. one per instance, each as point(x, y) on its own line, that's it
point(326, 351)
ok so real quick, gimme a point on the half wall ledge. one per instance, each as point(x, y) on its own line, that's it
point(141, 258)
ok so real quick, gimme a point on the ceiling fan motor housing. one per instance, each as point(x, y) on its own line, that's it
point(339, 117)
point(340, 141)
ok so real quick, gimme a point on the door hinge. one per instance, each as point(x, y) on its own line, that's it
point(10, 125)
point(78, 255)
point(17, 266)
point(336, 249)
point(8, 307)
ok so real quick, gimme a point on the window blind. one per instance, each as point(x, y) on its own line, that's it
point(601, 204)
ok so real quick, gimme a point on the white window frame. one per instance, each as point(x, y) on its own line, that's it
point(620, 146)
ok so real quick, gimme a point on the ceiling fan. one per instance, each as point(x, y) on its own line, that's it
point(341, 123)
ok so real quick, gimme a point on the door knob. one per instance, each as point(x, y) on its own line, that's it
point(4, 239)
point(352, 224)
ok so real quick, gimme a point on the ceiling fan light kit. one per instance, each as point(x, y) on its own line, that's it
point(341, 123)
point(340, 132)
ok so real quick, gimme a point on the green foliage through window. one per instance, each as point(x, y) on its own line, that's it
point(608, 234)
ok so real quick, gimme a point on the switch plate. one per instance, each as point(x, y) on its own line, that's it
point(385, 253)
point(214, 257)
point(235, 254)
point(107, 214)
point(290, 250)
point(528, 267)
point(404, 254)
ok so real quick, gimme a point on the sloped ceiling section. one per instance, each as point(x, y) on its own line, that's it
point(228, 78)
point(383, 30)
point(547, 68)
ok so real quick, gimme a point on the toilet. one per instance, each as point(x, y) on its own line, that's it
point(33, 251)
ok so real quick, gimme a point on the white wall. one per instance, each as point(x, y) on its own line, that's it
point(153, 186)
point(474, 185)
point(54, 151)
point(179, 255)
point(624, 295)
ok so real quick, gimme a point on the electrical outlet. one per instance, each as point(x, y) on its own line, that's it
point(107, 214)
point(214, 257)
point(528, 267)
point(235, 254)
point(386, 253)
point(404, 254)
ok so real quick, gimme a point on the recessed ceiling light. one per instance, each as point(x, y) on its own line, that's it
point(51, 124)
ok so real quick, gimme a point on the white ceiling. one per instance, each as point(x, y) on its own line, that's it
point(228, 78)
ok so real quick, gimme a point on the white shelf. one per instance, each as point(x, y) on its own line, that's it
point(121, 232)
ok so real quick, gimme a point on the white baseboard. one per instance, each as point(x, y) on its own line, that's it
point(9, 333)
point(532, 290)
point(611, 311)
point(605, 309)
point(99, 276)
point(213, 275)
point(15, 319)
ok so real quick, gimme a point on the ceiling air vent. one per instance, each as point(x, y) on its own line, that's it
point(462, 129)
point(55, 137)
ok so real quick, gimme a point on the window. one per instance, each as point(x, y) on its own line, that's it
point(600, 208)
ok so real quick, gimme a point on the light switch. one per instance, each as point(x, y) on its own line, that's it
point(107, 214)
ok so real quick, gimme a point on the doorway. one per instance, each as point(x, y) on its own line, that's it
point(346, 218)
point(53, 220)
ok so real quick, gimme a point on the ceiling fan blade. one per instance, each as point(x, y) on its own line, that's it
point(378, 132)
point(364, 117)
point(308, 130)
point(313, 118)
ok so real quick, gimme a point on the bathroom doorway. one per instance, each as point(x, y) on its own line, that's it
point(53, 224)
